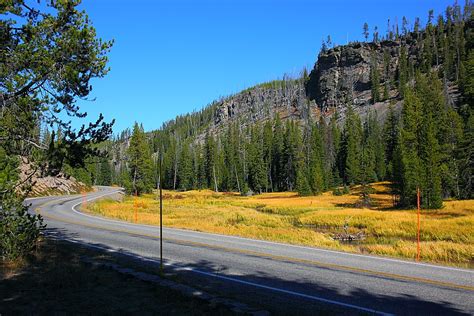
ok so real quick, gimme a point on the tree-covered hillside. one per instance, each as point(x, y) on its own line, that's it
point(421, 78)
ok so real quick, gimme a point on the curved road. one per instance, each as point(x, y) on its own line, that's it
point(278, 277)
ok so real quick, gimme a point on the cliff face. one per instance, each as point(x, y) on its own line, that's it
point(286, 97)
point(44, 186)
point(341, 76)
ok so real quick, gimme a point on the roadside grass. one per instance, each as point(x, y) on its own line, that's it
point(53, 280)
point(447, 235)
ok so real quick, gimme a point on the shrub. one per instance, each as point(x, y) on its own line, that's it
point(19, 230)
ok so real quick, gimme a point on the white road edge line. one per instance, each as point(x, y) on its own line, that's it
point(265, 241)
point(275, 289)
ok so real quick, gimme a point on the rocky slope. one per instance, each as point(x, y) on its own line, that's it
point(340, 76)
point(48, 185)
point(286, 97)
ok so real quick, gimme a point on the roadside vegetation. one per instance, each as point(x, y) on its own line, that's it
point(447, 234)
point(49, 53)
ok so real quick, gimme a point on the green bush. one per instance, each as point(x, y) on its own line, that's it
point(19, 230)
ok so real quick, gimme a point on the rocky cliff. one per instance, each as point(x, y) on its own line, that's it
point(286, 97)
point(341, 76)
point(49, 185)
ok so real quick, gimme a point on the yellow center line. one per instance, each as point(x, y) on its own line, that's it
point(265, 255)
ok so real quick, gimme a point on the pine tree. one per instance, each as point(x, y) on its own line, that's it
point(257, 170)
point(185, 170)
point(404, 26)
point(366, 31)
point(139, 163)
point(335, 153)
point(422, 136)
point(302, 185)
point(328, 153)
point(351, 147)
point(430, 156)
point(210, 162)
point(467, 84)
point(390, 140)
point(105, 173)
point(267, 153)
point(402, 70)
point(376, 35)
point(410, 171)
point(315, 163)
point(374, 150)
point(466, 160)
point(375, 80)
point(292, 148)
point(277, 154)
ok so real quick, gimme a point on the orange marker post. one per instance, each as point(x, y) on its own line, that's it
point(418, 226)
point(84, 200)
point(135, 207)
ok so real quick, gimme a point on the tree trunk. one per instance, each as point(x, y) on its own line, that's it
point(215, 179)
point(237, 178)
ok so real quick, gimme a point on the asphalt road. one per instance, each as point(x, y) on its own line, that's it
point(277, 277)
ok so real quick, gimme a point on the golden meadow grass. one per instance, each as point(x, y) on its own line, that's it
point(447, 235)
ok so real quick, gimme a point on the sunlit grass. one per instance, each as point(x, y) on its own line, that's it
point(447, 235)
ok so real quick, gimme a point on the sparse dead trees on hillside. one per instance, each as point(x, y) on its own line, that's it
point(404, 26)
point(365, 31)
point(376, 35)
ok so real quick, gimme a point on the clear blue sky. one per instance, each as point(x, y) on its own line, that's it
point(174, 56)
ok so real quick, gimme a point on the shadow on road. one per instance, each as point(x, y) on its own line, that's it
point(211, 277)
point(55, 279)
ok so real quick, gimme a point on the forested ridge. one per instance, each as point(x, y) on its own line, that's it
point(423, 139)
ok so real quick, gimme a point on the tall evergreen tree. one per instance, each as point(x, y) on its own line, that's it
point(402, 72)
point(268, 153)
point(277, 154)
point(210, 162)
point(351, 147)
point(257, 168)
point(140, 163)
point(466, 160)
point(375, 80)
point(365, 31)
point(105, 173)
point(410, 172)
point(315, 163)
point(390, 139)
point(185, 170)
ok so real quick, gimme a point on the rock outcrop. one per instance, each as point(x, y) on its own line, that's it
point(286, 97)
point(341, 76)
point(48, 185)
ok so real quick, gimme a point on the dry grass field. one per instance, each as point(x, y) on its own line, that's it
point(447, 235)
